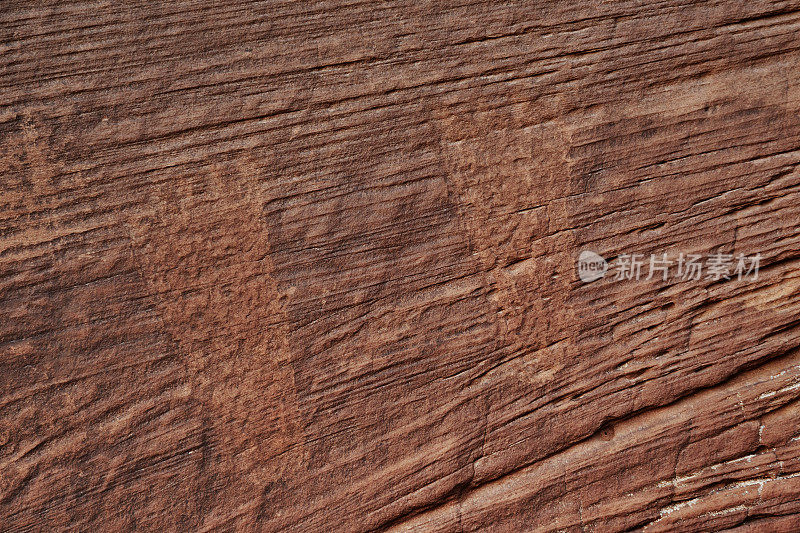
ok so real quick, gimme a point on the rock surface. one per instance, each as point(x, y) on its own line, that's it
point(311, 266)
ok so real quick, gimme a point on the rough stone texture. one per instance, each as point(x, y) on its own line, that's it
point(310, 266)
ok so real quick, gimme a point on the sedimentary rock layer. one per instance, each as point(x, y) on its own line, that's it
point(311, 266)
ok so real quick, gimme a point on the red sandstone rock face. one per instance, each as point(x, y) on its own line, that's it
point(311, 266)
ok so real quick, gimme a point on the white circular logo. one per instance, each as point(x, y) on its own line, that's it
point(591, 266)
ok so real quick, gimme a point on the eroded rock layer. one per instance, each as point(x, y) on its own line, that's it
point(311, 266)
